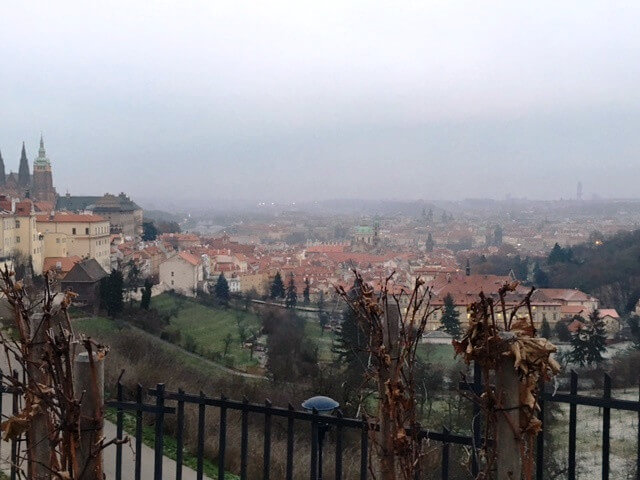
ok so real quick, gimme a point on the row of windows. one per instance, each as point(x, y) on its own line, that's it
point(87, 230)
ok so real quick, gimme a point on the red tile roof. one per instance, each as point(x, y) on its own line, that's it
point(66, 263)
point(192, 259)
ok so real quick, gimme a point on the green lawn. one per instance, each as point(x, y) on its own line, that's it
point(324, 340)
point(207, 327)
point(95, 326)
point(436, 354)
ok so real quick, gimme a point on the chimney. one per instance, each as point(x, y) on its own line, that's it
point(13, 205)
point(468, 268)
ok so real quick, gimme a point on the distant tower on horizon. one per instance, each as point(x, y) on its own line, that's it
point(579, 192)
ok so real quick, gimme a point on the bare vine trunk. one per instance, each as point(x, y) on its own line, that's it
point(89, 381)
point(38, 434)
point(388, 383)
point(508, 461)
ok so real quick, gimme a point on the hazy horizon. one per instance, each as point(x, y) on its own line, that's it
point(290, 102)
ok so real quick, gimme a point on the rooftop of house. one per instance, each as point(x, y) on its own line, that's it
point(86, 271)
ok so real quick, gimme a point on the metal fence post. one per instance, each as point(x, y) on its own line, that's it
point(159, 432)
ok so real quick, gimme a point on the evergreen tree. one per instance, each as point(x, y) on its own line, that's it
point(111, 289)
point(277, 287)
point(149, 231)
point(351, 345)
point(430, 243)
point(305, 292)
point(589, 342)
point(450, 321)
point(145, 301)
point(545, 328)
point(221, 290)
point(562, 331)
point(540, 277)
point(291, 295)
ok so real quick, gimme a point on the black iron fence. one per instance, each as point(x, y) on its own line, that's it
point(174, 402)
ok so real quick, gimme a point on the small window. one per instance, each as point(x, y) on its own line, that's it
point(172, 274)
point(86, 231)
point(73, 231)
point(57, 240)
point(171, 282)
point(17, 223)
point(17, 239)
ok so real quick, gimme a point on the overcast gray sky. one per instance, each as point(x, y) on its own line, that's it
point(308, 100)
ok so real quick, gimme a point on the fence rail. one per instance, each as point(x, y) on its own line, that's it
point(318, 422)
point(173, 403)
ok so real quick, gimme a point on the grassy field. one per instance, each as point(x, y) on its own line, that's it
point(324, 340)
point(436, 354)
point(207, 327)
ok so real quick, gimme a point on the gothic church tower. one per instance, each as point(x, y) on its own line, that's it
point(42, 184)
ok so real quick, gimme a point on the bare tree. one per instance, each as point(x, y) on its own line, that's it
point(395, 319)
point(41, 368)
point(502, 339)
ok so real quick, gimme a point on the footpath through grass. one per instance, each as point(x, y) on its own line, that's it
point(203, 329)
point(209, 467)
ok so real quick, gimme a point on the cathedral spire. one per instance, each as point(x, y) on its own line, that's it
point(42, 160)
point(24, 176)
point(3, 177)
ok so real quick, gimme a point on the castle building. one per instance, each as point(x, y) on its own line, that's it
point(37, 186)
point(124, 215)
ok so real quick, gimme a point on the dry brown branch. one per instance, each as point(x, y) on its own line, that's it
point(511, 352)
point(394, 320)
point(44, 352)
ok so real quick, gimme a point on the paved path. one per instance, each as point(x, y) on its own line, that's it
point(128, 459)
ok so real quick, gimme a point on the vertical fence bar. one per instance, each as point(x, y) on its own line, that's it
point(14, 441)
point(159, 440)
point(572, 427)
point(222, 443)
point(364, 449)
point(313, 472)
point(119, 432)
point(200, 454)
point(266, 464)
point(477, 421)
point(244, 440)
point(606, 427)
point(2, 391)
point(445, 455)
point(290, 433)
point(180, 435)
point(138, 461)
point(540, 439)
point(339, 434)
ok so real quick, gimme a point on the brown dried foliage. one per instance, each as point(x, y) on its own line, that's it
point(395, 320)
point(40, 363)
point(489, 342)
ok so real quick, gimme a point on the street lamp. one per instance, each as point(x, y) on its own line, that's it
point(324, 406)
